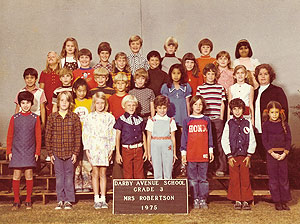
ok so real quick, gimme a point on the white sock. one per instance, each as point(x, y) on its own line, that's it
point(103, 199)
point(96, 198)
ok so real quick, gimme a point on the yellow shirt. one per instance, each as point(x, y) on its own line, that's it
point(82, 108)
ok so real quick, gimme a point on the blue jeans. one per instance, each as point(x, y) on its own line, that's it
point(197, 176)
point(64, 173)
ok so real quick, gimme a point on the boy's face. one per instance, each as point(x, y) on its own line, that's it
point(197, 107)
point(121, 86)
point(104, 56)
point(154, 62)
point(66, 79)
point(25, 106)
point(84, 61)
point(101, 80)
point(205, 50)
point(121, 63)
point(210, 77)
point(64, 104)
point(140, 81)
point(99, 105)
point(237, 112)
point(52, 58)
point(70, 48)
point(170, 49)
point(80, 92)
point(135, 46)
point(161, 110)
point(263, 77)
point(189, 64)
point(30, 80)
point(130, 107)
point(244, 51)
point(223, 61)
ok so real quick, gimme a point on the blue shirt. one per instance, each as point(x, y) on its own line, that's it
point(131, 127)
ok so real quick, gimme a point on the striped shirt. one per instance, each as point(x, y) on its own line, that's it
point(137, 61)
point(213, 94)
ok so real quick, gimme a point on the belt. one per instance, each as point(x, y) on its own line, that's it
point(133, 146)
point(161, 138)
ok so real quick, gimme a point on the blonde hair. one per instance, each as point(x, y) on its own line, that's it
point(169, 41)
point(101, 72)
point(141, 72)
point(57, 68)
point(69, 98)
point(246, 73)
point(135, 38)
point(225, 54)
point(129, 98)
point(121, 55)
point(99, 95)
point(63, 52)
point(65, 71)
point(121, 76)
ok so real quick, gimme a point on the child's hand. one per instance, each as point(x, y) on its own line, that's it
point(211, 157)
point(247, 161)
point(36, 157)
point(119, 158)
point(183, 160)
point(174, 158)
point(9, 156)
point(52, 158)
point(73, 158)
point(43, 126)
point(231, 161)
point(145, 156)
point(275, 155)
point(149, 158)
point(282, 156)
point(110, 155)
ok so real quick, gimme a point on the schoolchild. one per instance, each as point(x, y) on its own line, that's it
point(121, 64)
point(144, 95)
point(101, 76)
point(161, 139)
point(63, 140)
point(276, 138)
point(225, 72)
point(197, 150)
point(98, 138)
point(135, 59)
point(69, 54)
point(23, 146)
point(65, 76)
point(205, 47)
point(238, 142)
point(214, 95)
point(85, 71)
point(130, 136)
point(170, 46)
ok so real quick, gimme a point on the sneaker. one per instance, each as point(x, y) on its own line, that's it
point(15, 206)
point(48, 159)
point(28, 205)
point(203, 204)
point(238, 205)
point(246, 206)
point(68, 205)
point(78, 190)
point(104, 204)
point(86, 190)
point(60, 205)
point(97, 205)
point(220, 173)
point(285, 207)
point(196, 204)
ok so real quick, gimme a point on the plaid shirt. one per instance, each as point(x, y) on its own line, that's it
point(63, 135)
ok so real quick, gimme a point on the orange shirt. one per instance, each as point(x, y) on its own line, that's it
point(204, 60)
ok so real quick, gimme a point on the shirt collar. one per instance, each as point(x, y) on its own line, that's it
point(197, 116)
point(182, 88)
point(127, 115)
point(170, 55)
point(134, 54)
point(35, 89)
point(158, 117)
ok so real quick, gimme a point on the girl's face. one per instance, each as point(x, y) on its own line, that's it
point(70, 48)
point(223, 61)
point(80, 92)
point(274, 114)
point(25, 106)
point(100, 105)
point(263, 77)
point(170, 49)
point(64, 104)
point(176, 75)
point(121, 63)
point(240, 75)
point(205, 50)
point(154, 62)
point(104, 56)
point(52, 58)
point(189, 64)
point(244, 51)
point(121, 86)
point(197, 107)
point(161, 110)
point(140, 81)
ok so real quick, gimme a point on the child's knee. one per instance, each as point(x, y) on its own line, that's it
point(17, 174)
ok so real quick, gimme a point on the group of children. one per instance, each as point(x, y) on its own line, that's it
point(127, 112)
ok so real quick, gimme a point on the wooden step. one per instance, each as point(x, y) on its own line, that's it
point(255, 177)
point(224, 192)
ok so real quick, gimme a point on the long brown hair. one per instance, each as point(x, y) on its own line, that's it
point(277, 105)
point(63, 52)
point(191, 56)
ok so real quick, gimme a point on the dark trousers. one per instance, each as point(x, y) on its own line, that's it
point(217, 130)
point(260, 150)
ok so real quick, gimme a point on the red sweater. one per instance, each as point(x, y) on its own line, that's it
point(194, 81)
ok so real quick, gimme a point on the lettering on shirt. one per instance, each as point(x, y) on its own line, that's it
point(197, 128)
point(246, 130)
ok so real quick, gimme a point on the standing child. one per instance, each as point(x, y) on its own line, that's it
point(63, 140)
point(135, 59)
point(101, 76)
point(238, 142)
point(178, 92)
point(144, 95)
point(197, 150)
point(276, 138)
point(194, 78)
point(243, 91)
point(170, 46)
point(49, 79)
point(161, 140)
point(23, 146)
point(98, 138)
point(225, 73)
point(214, 95)
point(121, 64)
point(82, 107)
point(69, 54)
point(85, 71)
point(157, 77)
point(130, 136)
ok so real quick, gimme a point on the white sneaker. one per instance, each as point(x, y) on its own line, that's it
point(104, 204)
point(60, 205)
point(68, 205)
point(97, 205)
point(48, 159)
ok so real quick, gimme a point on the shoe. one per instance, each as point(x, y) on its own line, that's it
point(104, 204)
point(28, 205)
point(183, 170)
point(278, 206)
point(78, 190)
point(203, 204)
point(237, 205)
point(67, 205)
point(220, 173)
point(196, 204)
point(48, 159)
point(285, 207)
point(246, 206)
point(85, 190)
point(97, 205)
point(60, 205)
point(15, 206)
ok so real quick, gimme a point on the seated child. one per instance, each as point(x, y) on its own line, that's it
point(205, 47)
point(161, 139)
point(101, 76)
point(130, 136)
point(157, 77)
point(23, 146)
point(170, 46)
point(238, 142)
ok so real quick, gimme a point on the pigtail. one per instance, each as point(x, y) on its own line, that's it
point(265, 115)
point(282, 116)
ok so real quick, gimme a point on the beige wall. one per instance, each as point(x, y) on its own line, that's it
point(31, 28)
